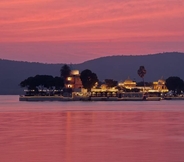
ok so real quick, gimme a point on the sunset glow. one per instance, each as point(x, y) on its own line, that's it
point(61, 31)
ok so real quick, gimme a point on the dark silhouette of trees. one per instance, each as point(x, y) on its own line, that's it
point(175, 84)
point(65, 71)
point(141, 72)
point(88, 79)
point(40, 82)
point(29, 83)
point(141, 84)
point(44, 81)
point(58, 83)
point(111, 83)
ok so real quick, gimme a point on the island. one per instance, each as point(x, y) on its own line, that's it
point(85, 86)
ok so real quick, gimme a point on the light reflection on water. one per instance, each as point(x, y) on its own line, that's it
point(91, 131)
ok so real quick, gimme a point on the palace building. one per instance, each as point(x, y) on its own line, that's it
point(128, 83)
point(73, 80)
point(160, 86)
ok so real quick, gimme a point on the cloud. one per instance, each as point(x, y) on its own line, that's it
point(92, 21)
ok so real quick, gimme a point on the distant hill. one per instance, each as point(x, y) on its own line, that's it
point(110, 67)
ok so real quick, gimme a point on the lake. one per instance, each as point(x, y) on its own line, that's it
point(120, 131)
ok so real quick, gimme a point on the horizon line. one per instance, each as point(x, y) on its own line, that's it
point(115, 55)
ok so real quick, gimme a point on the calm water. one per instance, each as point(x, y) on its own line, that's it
point(91, 131)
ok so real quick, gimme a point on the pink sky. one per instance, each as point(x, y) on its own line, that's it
point(70, 31)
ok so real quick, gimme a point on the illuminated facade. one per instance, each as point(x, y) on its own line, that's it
point(73, 80)
point(128, 83)
point(103, 91)
point(160, 86)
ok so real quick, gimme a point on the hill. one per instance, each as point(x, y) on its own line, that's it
point(111, 67)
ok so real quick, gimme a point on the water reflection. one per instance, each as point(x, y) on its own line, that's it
point(91, 131)
point(93, 136)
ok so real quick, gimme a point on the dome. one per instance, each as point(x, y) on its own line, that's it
point(161, 81)
point(103, 86)
point(75, 72)
point(129, 81)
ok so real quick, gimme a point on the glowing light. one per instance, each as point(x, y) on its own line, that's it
point(69, 78)
point(75, 72)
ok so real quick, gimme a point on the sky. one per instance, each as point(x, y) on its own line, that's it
point(74, 31)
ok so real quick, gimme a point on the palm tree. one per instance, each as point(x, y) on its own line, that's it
point(141, 72)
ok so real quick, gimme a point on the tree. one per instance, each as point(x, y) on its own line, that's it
point(141, 84)
point(175, 84)
point(88, 79)
point(65, 71)
point(59, 83)
point(41, 82)
point(110, 83)
point(141, 72)
point(30, 84)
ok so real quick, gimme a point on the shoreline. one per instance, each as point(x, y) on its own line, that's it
point(61, 98)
